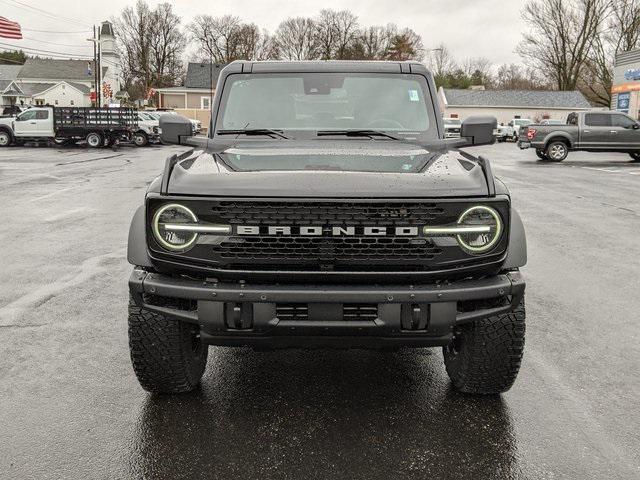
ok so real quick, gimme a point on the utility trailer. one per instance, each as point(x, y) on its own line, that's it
point(64, 125)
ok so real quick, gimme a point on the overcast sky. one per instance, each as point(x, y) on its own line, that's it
point(482, 28)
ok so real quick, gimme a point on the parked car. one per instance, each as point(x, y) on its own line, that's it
point(595, 131)
point(337, 230)
point(517, 124)
point(97, 126)
point(148, 130)
point(504, 133)
point(451, 127)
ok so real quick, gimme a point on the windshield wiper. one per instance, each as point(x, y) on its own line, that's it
point(255, 131)
point(356, 133)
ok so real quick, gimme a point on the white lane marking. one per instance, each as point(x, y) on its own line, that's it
point(635, 171)
point(602, 169)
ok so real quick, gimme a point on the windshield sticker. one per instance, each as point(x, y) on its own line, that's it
point(413, 95)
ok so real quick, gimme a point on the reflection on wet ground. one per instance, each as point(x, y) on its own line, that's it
point(324, 414)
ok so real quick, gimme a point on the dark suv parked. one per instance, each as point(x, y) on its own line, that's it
point(326, 209)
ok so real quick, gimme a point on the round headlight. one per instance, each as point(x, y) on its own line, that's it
point(166, 227)
point(485, 229)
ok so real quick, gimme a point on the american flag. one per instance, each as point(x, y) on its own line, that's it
point(9, 29)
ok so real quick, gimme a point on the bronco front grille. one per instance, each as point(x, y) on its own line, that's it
point(356, 251)
point(326, 249)
point(294, 213)
point(329, 250)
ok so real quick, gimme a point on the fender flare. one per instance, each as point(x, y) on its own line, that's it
point(557, 135)
point(137, 254)
point(517, 252)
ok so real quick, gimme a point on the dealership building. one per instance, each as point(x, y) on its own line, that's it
point(626, 84)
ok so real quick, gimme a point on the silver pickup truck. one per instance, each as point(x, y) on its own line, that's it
point(596, 131)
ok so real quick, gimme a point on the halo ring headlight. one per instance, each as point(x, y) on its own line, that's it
point(171, 240)
point(480, 215)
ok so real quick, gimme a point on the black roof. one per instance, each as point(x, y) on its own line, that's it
point(366, 66)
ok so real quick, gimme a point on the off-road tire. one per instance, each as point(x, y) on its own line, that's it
point(556, 151)
point(485, 356)
point(541, 155)
point(635, 156)
point(166, 354)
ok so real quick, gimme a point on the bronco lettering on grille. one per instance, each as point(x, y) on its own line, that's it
point(332, 231)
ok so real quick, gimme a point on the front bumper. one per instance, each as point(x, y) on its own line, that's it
point(238, 314)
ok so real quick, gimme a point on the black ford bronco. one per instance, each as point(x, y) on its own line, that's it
point(326, 209)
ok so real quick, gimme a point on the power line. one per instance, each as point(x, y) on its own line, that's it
point(41, 51)
point(53, 43)
point(46, 13)
point(53, 31)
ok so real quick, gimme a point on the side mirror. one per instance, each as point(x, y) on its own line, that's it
point(175, 129)
point(479, 130)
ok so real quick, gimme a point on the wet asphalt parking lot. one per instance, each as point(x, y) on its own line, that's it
point(71, 408)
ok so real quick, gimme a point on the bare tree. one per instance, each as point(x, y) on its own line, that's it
point(622, 34)
point(624, 25)
point(335, 33)
point(561, 37)
point(167, 45)
point(514, 77)
point(440, 60)
point(372, 42)
point(478, 69)
point(217, 37)
point(150, 45)
point(295, 39)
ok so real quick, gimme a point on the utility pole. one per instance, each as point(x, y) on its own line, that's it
point(95, 66)
point(97, 75)
point(99, 70)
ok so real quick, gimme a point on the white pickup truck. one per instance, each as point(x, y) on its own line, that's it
point(97, 126)
point(148, 130)
point(517, 124)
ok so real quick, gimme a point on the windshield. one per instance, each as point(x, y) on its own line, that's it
point(452, 121)
point(522, 123)
point(313, 102)
point(145, 116)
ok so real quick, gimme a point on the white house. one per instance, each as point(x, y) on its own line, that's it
point(48, 81)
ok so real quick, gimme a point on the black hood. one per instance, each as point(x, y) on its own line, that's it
point(440, 173)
